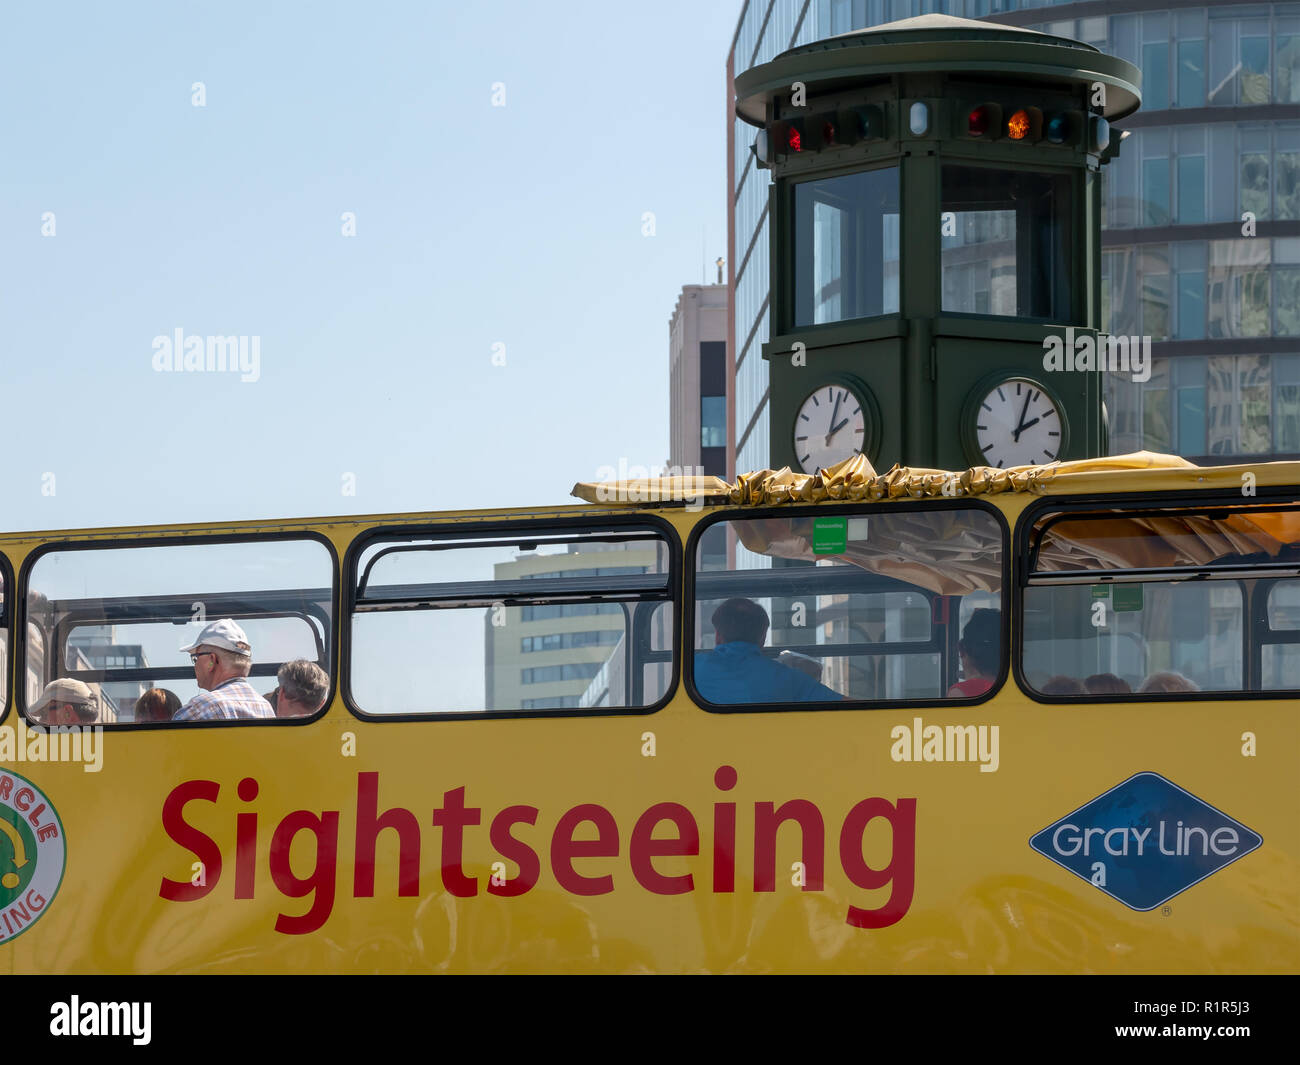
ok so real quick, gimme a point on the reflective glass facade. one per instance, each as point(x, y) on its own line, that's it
point(1218, 136)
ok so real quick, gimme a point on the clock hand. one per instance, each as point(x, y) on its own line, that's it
point(834, 412)
point(1033, 421)
point(1020, 422)
point(836, 428)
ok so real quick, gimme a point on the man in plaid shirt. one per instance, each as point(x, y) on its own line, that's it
point(222, 660)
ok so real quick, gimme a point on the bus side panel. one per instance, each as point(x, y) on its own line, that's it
point(878, 864)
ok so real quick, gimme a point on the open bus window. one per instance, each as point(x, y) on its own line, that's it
point(836, 609)
point(1130, 603)
point(546, 621)
point(116, 618)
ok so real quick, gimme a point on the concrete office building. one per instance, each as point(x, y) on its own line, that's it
point(697, 359)
point(1217, 138)
point(545, 657)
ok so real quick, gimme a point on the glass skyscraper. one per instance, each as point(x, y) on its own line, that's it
point(1201, 224)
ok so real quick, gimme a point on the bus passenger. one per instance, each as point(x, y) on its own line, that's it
point(980, 649)
point(1063, 685)
point(65, 702)
point(737, 671)
point(223, 658)
point(1168, 682)
point(1107, 684)
point(157, 704)
point(302, 691)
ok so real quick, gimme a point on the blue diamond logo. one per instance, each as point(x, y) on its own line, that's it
point(1145, 841)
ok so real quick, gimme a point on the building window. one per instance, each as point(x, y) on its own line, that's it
point(713, 421)
point(1286, 403)
point(1155, 178)
point(1119, 291)
point(1155, 61)
point(1286, 287)
point(1191, 73)
point(1189, 290)
point(1253, 404)
point(1155, 292)
point(846, 244)
point(987, 215)
point(1189, 405)
point(1156, 434)
point(1238, 288)
point(1287, 59)
point(1189, 169)
point(1286, 171)
point(550, 674)
point(1253, 59)
point(1252, 171)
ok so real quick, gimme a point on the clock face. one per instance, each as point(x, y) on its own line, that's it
point(830, 427)
point(1017, 424)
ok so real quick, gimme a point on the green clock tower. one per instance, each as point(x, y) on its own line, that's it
point(935, 243)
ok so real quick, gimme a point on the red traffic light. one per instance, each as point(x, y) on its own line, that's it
point(977, 122)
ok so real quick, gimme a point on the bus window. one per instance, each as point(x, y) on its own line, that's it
point(1132, 603)
point(116, 618)
point(848, 608)
point(544, 621)
point(1280, 651)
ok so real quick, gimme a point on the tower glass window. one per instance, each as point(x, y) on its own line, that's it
point(846, 247)
point(1005, 242)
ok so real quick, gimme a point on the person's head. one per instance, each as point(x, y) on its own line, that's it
point(740, 620)
point(1168, 682)
point(302, 691)
point(980, 645)
point(221, 653)
point(1063, 685)
point(1107, 684)
point(66, 702)
point(157, 704)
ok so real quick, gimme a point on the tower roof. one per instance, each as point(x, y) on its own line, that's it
point(939, 44)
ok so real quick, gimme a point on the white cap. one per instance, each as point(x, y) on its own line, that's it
point(65, 690)
point(224, 633)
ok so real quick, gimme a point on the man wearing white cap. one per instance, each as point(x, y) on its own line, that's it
point(65, 702)
point(222, 659)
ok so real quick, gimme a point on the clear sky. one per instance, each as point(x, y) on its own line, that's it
point(476, 225)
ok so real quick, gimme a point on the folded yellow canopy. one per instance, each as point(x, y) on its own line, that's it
point(956, 553)
point(854, 480)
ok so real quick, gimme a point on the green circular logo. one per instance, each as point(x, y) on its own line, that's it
point(32, 854)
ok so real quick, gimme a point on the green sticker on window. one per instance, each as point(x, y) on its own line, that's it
point(1128, 597)
point(1101, 591)
point(830, 536)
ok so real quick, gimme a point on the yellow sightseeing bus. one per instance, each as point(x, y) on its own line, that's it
point(1029, 721)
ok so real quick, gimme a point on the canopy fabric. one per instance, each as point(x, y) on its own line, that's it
point(1087, 542)
point(855, 480)
point(949, 552)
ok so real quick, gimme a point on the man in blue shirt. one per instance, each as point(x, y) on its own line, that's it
point(737, 671)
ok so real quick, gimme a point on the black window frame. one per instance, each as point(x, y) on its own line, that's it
point(500, 526)
point(114, 541)
point(690, 621)
point(1134, 504)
